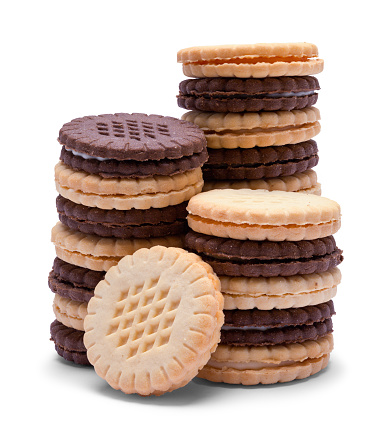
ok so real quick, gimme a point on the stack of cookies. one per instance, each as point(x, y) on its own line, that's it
point(124, 181)
point(277, 262)
point(255, 106)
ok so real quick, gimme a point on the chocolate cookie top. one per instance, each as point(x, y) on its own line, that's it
point(136, 136)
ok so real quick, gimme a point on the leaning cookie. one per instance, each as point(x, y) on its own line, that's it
point(154, 321)
point(251, 60)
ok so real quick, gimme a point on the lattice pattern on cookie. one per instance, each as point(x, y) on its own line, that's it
point(143, 318)
point(132, 129)
point(154, 320)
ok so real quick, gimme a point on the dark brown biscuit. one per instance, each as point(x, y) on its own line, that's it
point(125, 232)
point(68, 290)
point(262, 156)
point(253, 163)
point(131, 217)
point(288, 334)
point(231, 95)
point(123, 224)
point(136, 136)
point(238, 250)
point(77, 276)
point(272, 268)
point(276, 318)
point(69, 343)
point(258, 171)
point(133, 168)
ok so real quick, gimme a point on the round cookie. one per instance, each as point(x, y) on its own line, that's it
point(98, 253)
point(268, 364)
point(136, 136)
point(229, 257)
point(279, 292)
point(124, 194)
point(256, 327)
point(258, 163)
point(108, 168)
point(232, 95)
point(133, 223)
point(154, 321)
point(260, 214)
point(251, 60)
point(305, 182)
point(249, 130)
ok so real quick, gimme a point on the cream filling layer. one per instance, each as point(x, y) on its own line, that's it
point(245, 328)
point(251, 365)
point(85, 156)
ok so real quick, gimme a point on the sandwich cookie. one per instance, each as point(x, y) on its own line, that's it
point(233, 257)
point(249, 130)
point(154, 321)
point(305, 182)
point(251, 60)
point(268, 364)
point(262, 215)
point(97, 253)
point(233, 95)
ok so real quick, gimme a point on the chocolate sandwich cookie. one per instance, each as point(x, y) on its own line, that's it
point(132, 168)
point(73, 282)
point(133, 223)
point(255, 163)
point(69, 343)
point(233, 95)
point(261, 327)
point(136, 136)
point(233, 257)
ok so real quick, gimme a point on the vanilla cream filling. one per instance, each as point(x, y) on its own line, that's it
point(85, 156)
point(252, 365)
point(290, 94)
point(245, 328)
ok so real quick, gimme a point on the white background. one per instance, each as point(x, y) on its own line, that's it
point(61, 60)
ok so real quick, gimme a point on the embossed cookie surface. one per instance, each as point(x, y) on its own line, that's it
point(154, 321)
point(136, 136)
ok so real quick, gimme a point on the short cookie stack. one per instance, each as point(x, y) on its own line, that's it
point(277, 262)
point(123, 181)
point(255, 105)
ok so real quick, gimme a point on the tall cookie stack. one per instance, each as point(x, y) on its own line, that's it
point(277, 262)
point(255, 106)
point(123, 181)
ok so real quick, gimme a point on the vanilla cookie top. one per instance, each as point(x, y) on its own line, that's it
point(228, 51)
point(154, 321)
point(251, 60)
point(261, 207)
